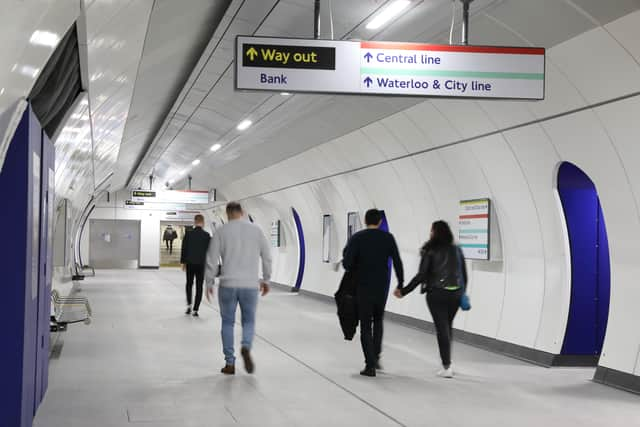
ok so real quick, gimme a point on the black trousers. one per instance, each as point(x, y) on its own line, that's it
point(169, 245)
point(443, 306)
point(371, 313)
point(195, 271)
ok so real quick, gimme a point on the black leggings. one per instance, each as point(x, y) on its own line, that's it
point(443, 306)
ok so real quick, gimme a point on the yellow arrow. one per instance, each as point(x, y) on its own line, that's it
point(252, 53)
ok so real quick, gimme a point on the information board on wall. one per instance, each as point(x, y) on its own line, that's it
point(275, 234)
point(326, 238)
point(473, 228)
point(389, 68)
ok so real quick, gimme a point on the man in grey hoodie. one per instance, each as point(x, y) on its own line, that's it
point(234, 255)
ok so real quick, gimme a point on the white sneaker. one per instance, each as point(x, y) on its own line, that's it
point(446, 373)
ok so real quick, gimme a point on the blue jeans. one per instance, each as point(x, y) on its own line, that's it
point(229, 298)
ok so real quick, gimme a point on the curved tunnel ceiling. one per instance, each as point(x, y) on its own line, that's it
point(175, 39)
point(208, 109)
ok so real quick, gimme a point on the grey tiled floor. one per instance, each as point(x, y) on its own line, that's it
point(142, 362)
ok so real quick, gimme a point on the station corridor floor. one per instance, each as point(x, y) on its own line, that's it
point(143, 362)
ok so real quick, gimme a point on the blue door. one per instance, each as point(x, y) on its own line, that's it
point(590, 270)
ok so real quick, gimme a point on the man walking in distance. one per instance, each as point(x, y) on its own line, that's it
point(237, 247)
point(193, 258)
point(367, 255)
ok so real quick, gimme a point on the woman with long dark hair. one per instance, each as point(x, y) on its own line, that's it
point(443, 277)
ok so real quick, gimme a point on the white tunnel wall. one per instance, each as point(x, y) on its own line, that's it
point(510, 152)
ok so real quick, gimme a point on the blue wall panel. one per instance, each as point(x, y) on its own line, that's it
point(589, 306)
point(20, 192)
point(301, 248)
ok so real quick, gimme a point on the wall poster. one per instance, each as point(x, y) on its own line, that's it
point(474, 228)
point(275, 234)
point(326, 238)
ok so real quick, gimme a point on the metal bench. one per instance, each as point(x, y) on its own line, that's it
point(79, 272)
point(68, 310)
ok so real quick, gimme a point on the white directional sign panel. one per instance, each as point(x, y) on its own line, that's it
point(197, 197)
point(389, 68)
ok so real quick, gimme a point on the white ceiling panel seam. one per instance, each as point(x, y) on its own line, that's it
point(181, 102)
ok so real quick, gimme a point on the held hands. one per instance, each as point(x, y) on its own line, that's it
point(264, 288)
point(184, 267)
point(398, 293)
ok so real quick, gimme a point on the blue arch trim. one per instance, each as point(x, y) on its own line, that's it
point(384, 226)
point(590, 267)
point(301, 249)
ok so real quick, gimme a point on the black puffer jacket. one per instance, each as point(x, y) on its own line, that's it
point(439, 268)
point(347, 305)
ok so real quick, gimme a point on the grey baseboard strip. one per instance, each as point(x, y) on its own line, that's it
point(618, 379)
point(581, 361)
point(149, 267)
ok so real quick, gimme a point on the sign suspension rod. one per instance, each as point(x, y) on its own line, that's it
point(316, 19)
point(465, 21)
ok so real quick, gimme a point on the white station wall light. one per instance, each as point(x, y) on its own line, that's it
point(389, 12)
point(244, 125)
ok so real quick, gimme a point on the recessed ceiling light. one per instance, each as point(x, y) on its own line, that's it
point(216, 147)
point(171, 181)
point(244, 125)
point(196, 162)
point(181, 173)
point(29, 71)
point(285, 93)
point(388, 13)
point(1, 91)
point(44, 38)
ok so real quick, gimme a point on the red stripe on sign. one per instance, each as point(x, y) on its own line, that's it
point(451, 48)
point(474, 216)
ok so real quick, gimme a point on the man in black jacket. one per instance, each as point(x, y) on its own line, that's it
point(193, 259)
point(367, 254)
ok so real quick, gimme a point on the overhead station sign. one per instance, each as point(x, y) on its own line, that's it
point(197, 197)
point(389, 68)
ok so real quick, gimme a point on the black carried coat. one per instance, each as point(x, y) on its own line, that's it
point(347, 305)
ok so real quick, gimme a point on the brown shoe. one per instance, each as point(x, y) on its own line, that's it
point(248, 362)
point(228, 370)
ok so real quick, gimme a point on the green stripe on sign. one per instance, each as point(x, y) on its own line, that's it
point(451, 73)
point(473, 245)
point(473, 231)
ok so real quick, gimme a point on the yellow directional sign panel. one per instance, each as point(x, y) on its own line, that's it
point(288, 56)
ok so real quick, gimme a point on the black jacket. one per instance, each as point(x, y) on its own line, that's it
point(194, 247)
point(439, 268)
point(169, 234)
point(368, 252)
point(347, 305)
